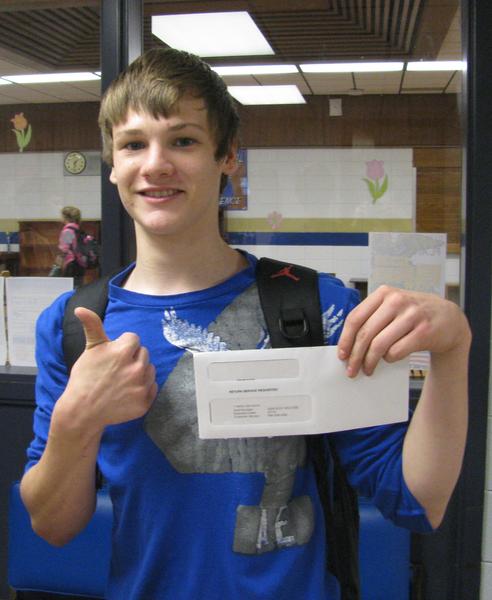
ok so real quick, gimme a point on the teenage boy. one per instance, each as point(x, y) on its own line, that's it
point(217, 519)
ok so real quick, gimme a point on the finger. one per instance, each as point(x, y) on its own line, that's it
point(355, 320)
point(142, 355)
point(93, 327)
point(391, 343)
point(368, 339)
point(130, 345)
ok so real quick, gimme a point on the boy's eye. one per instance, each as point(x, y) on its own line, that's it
point(134, 146)
point(182, 142)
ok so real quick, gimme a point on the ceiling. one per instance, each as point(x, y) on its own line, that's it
point(45, 36)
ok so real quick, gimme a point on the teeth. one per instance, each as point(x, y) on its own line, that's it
point(161, 194)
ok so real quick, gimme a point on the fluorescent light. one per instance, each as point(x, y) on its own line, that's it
point(212, 34)
point(4, 82)
point(51, 77)
point(360, 67)
point(256, 70)
point(436, 65)
point(266, 94)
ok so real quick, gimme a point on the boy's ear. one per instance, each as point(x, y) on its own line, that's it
point(229, 162)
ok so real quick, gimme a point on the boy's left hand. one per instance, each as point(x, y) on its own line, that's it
point(392, 323)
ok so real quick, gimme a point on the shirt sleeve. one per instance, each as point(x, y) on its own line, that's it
point(52, 375)
point(372, 458)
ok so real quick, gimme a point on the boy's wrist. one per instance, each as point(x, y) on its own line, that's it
point(73, 422)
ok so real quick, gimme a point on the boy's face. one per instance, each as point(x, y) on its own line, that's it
point(166, 172)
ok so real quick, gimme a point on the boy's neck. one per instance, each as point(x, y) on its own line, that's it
point(165, 266)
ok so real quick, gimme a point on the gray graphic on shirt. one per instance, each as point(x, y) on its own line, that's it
point(278, 521)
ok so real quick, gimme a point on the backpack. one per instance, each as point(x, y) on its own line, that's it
point(86, 250)
point(289, 298)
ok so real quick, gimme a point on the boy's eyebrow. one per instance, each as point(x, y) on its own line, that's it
point(128, 132)
point(180, 126)
point(177, 127)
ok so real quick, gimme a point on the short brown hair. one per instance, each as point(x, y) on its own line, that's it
point(71, 214)
point(155, 82)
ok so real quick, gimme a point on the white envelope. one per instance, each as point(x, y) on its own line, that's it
point(293, 391)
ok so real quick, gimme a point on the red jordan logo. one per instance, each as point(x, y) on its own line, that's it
point(285, 272)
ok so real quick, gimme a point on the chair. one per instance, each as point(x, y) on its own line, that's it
point(79, 568)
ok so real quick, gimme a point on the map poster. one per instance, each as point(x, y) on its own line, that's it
point(412, 261)
point(235, 194)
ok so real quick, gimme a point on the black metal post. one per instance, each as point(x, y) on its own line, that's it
point(121, 42)
point(451, 559)
point(477, 260)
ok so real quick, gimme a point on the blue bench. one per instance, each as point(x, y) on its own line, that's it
point(81, 567)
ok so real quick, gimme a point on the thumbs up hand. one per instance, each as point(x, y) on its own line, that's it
point(93, 327)
point(112, 381)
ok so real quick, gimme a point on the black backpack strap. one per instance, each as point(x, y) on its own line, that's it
point(341, 511)
point(289, 297)
point(94, 295)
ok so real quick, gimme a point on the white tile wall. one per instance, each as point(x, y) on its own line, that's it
point(34, 187)
point(486, 582)
point(327, 183)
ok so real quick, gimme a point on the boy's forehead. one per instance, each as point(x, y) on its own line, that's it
point(185, 108)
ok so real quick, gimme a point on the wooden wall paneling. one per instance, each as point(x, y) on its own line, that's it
point(413, 120)
point(437, 157)
point(55, 127)
point(439, 203)
point(282, 126)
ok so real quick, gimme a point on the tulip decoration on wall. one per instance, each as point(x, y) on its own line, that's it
point(22, 130)
point(275, 220)
point(377, 179)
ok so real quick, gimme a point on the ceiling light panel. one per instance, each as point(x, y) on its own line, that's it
point(212, 34)
point(436, 65)
point(255, 70)
point(266, 94)
point(360, 67)
point(51, 77)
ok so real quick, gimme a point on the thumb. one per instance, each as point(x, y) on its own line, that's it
point(93, 327)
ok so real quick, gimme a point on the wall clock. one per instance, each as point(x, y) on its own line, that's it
point(75, 163)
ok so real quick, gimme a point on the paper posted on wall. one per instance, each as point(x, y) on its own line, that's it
point(26, 298)
point(411, 261)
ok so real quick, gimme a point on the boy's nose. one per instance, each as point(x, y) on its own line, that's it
point(157, 163)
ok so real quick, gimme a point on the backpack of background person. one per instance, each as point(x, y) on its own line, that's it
point(86, 249)
point(289, 298)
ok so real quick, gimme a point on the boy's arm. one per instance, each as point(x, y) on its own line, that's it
point(391, 324)
point(111, 382)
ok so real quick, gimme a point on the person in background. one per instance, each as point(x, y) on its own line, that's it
point(67, 243)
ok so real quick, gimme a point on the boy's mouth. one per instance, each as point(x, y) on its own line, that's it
point(160, 193)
